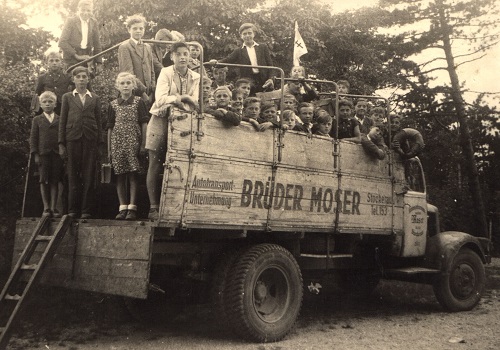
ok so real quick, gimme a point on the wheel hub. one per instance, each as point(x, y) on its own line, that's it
point(260, 292)
point(464, 281)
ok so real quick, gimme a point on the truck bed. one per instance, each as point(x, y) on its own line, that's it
point(106, 256)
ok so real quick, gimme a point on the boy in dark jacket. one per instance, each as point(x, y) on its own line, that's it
point(44, 147)
point(79, 136)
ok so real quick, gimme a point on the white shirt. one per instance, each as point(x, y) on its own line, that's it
point(253, 56)
point(82, 97)
point(85, 33)
point(137, 42)
point(50, 117)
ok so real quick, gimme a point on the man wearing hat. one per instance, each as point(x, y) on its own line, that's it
point(251, 53)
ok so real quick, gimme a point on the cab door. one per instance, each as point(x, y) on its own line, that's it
point(415, 210)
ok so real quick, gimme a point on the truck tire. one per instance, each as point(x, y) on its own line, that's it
point(264, 293)
point(461, 285)
point(218, 289)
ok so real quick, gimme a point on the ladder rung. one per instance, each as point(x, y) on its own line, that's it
point(12, 297)
point(43, 238)
point(29, 266)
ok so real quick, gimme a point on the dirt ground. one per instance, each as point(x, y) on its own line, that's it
point(397, 316)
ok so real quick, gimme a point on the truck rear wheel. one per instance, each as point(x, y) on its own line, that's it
point(461, 285)
point(218, 290)
point(264, 293)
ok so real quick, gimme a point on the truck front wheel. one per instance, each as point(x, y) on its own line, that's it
point(461, 285)
point(264, 293)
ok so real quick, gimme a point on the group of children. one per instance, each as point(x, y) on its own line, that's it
point(69, 128)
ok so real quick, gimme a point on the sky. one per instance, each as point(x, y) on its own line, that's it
point(482, 75)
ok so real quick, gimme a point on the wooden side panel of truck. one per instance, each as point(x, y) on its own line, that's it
point(237, 177)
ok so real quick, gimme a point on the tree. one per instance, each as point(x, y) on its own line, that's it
point(452, 20)
point(16, 88)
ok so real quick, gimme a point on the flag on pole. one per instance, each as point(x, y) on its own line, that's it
point(299, 46)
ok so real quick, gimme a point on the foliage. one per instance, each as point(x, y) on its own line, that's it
point(17, 74)
point(24, 43)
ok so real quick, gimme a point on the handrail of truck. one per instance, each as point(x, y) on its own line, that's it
point(149, 41)
point(282, 75)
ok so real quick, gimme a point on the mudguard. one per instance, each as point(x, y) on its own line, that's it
point(442, 248)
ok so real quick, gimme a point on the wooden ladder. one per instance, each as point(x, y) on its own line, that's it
point(27, 272)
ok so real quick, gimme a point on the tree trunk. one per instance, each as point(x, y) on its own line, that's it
point(465, 138)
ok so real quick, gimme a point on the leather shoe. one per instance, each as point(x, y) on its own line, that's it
point(131, 215)
point(121, 215)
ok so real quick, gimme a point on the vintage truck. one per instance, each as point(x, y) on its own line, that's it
point(251, 219)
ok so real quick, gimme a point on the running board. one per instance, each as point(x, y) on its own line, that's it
point(409, 271)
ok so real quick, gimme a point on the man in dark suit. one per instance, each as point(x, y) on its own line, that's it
point(80, 36)
point(79, 136)
point(253, 54)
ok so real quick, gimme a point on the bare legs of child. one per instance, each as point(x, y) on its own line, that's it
point(127, 211)
point(154, 169)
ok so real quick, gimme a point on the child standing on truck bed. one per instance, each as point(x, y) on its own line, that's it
point(223, 110)
point(177, 86)
point(55, 79)
point(79, 136)
point(136, 57)
point(43, 144)
point(323, 124)
point(127, 121)
point(348, 127)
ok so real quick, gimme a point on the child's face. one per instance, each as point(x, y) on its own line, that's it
point(222, 99)
point(375, 134)
point(194, 51)
point(252, 110)
point(395, 124)
point(219, 75)
point(238, 101)
point(85, 11)
point(48, 104)
point(81, 80)
point(247, 36)
point(325, 128)
point(289, 103)
point(343, 89)
point(378, 117)
point(306, 114)
point(125, 86)
point(361, 109)
point(180, 57)
point(269, 114)
point(290, 121)
point(54, 63)
point(206, 89)
point(297, 72)
point(136, 31)
point(245, 89)
point(345, 112)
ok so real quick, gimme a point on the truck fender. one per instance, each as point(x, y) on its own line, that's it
point(442, 248)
